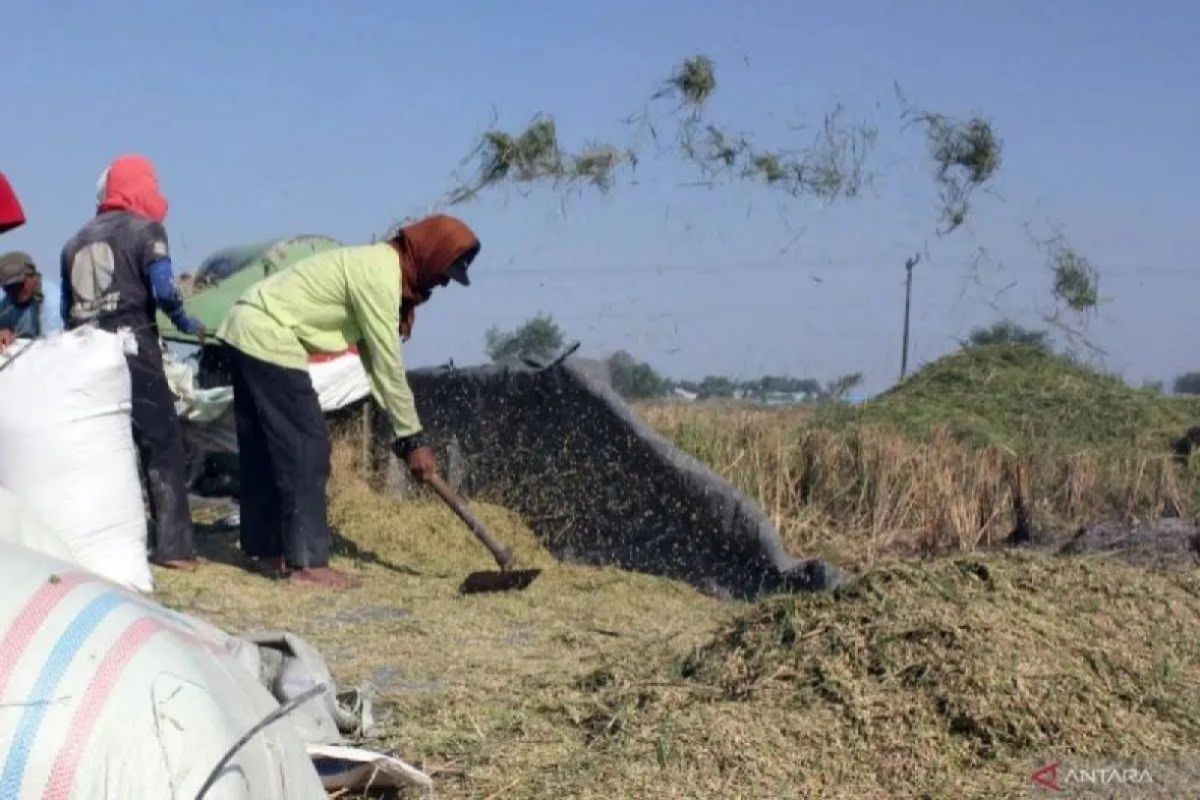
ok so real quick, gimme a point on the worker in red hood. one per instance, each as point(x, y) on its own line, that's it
point(11, 214)
point(116, 271)
point(21, 308)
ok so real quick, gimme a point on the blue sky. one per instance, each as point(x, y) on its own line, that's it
point(276, 118)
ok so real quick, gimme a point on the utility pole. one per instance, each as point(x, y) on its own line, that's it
point(908, 268)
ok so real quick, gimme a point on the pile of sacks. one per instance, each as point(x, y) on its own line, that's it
point(66, 449)
point(104, 693)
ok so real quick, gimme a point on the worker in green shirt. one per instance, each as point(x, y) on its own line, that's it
point(326, 303)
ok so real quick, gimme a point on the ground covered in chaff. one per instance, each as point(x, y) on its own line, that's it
point(955, 677)
point(477, 690)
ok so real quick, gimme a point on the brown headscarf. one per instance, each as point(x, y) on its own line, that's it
point(428, 248)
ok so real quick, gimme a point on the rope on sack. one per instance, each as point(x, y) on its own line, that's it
point(274, 716)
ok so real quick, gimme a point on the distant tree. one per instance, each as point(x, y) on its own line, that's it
point(753, 389)
point(716, 386)
point(1154, 387)
point(1008, 332)
point(539, 338)
point(1188, 383)
point(776, 386)
point(838, 389)
point(635, 380)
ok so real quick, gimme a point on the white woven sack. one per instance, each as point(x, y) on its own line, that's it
point(106, 694)
point(66, 447)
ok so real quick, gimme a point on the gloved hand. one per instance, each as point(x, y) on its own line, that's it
point(418, 455)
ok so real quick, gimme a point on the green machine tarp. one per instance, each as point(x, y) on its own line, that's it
point(223, 276)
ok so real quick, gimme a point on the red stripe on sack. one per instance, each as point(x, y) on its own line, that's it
point(320, 358)
point(30, 618)
point(70, 755)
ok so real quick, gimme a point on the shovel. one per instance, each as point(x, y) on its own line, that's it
point(504, 580)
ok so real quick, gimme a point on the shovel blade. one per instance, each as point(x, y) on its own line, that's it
point(497, 581)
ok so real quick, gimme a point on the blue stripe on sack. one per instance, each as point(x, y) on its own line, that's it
point(42, 695)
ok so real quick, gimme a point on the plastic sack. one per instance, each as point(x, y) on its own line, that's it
point(193, 404)
point(352, 768)
point(339, 381)
point(66, 447)
point(288, 666)
point(208, 422)
point(20, 526)
point(106, 694)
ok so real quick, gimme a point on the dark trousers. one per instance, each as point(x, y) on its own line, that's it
point(158, 437)
point(283, 452)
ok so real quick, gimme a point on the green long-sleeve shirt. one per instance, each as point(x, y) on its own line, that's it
point(324, 304)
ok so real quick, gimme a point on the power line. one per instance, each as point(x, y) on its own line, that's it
point(826, 267)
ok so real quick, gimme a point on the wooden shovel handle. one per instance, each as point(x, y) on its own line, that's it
point(452, 498)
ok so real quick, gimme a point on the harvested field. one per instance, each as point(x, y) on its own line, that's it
point(932, 467)
point(944, 668)
point(956, 677)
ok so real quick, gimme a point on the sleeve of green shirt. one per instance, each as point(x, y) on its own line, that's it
point(375, 301)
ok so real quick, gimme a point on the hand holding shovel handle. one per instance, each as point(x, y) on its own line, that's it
point(502, 554)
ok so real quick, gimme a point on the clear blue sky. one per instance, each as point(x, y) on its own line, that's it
point(273, 118)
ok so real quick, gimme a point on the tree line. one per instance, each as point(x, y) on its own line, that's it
point(540, 339)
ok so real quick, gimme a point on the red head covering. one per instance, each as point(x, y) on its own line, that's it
point(428, 249)
point(11, 214)
point(131, 184)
